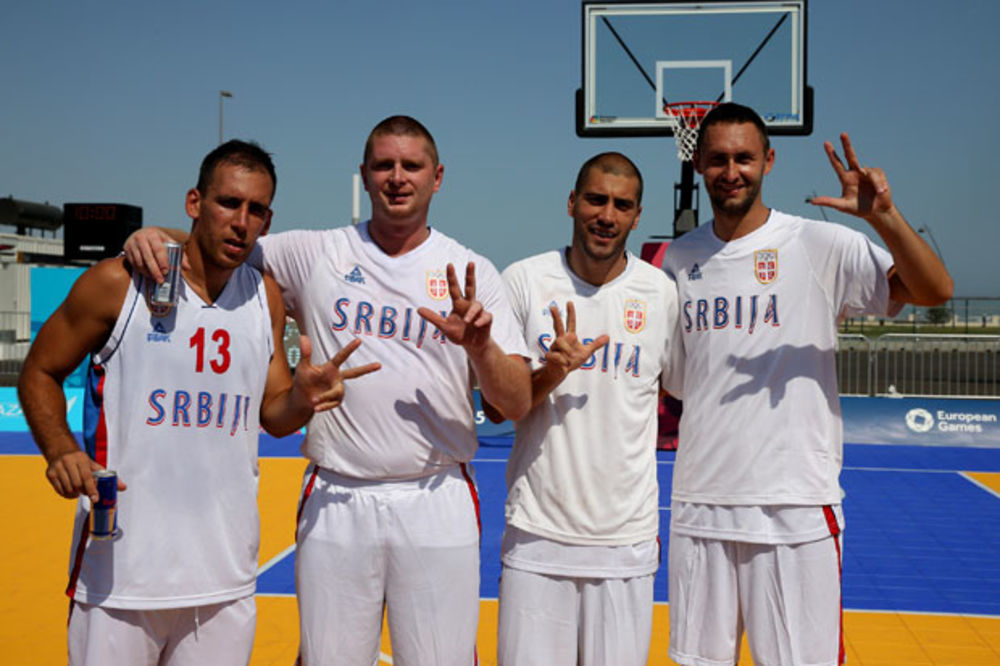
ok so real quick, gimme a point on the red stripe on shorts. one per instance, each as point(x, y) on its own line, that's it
point(831, 521)
point(305, 495)
point(475, 495)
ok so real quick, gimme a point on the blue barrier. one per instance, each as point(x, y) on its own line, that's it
point(924, 421)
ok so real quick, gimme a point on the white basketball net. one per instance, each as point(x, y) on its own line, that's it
point(687, 118)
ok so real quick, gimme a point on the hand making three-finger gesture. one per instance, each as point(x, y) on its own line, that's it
point(323, 385)
point(567, 352)
point(865, 190)
point(469, 323)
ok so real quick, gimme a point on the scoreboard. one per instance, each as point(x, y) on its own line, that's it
point(94, 231)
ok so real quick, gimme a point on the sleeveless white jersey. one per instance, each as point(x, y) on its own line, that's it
point(414, 417)
point(583, 467)
point(172, 405)
point(762, 423)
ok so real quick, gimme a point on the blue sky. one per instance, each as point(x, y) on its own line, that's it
point(118, 101)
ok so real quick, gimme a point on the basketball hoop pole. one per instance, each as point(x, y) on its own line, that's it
point(685, 208)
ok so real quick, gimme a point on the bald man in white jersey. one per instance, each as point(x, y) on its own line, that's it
point(176, 397)
point(581, 546)
point(389, 512)
point(755, 516)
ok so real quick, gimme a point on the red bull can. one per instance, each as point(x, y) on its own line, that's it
point(165, 293)
point(104, 513)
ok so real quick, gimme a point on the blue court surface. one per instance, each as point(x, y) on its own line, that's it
point(923, 535)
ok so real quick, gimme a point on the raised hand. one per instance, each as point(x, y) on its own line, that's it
point(323, 385)
point(567, 352)
point(469, 323)
point(865, 190)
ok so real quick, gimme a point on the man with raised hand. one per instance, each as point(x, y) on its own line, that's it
point(389, 510)
point(580, 550)
point(176, 397)
point(756, 508)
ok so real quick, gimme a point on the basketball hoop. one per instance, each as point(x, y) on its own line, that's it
point(687, 119)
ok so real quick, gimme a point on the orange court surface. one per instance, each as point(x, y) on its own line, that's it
point(921, 569)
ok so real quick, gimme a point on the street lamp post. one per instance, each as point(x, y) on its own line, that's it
point(924, 229)
point(222, 93)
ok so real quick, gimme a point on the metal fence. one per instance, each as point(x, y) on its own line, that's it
point(961, 366)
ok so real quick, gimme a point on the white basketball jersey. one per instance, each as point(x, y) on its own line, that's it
point(414, 417)
point(583, 467)
point(762, 422)
point(173, 406)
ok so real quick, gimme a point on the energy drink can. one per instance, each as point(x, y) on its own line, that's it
point(165, 293)
point(104, 513)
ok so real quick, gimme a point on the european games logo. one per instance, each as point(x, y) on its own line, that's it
point(919, 420)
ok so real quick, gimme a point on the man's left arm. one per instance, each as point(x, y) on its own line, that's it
point(504, 379)
point(289, 403)
point(918, 275)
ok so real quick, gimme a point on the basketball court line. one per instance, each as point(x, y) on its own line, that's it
point(988, 482)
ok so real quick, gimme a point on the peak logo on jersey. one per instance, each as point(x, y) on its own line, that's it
point(694, 273)
point(765, 265)
point(437, 284)
point(158, 334)
point(355, 276)
point(547, 310)
point(635, 315)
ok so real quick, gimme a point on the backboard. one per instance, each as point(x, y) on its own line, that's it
point(639, 56)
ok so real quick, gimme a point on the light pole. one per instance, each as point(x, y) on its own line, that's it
point(222, 93)
point(924, 229)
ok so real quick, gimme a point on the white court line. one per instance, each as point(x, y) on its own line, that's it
point(968, 478)
point(277, 558)
point(849, 468)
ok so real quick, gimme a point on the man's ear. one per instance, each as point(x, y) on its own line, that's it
point(192, 203)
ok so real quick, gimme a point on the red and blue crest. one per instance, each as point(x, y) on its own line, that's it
point(765, 265)
point(635, 315)
point(437, 284)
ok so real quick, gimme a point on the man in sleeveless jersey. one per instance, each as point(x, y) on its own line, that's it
point(755, 515)
point(581, 549)
point(389, 511)
point(175, 400)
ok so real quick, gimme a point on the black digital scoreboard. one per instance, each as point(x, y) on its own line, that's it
point(93, 231)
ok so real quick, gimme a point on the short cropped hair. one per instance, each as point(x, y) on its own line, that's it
point(732, 113)
point(246, 154)
point(401, 126)
point(615, 163)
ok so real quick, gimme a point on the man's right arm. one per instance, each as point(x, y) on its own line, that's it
point(145, 250)
point(80, 325)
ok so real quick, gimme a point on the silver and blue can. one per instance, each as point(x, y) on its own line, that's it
point(165, 293)
point(104, 513)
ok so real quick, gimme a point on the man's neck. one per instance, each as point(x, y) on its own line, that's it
point(397, 237)
point(730, 227)
point(594, 271)
point(206, 280)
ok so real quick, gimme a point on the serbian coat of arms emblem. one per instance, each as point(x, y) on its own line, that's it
point(765, 266)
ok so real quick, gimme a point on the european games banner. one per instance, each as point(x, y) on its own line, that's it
point(12, 418)
point(926, 421)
